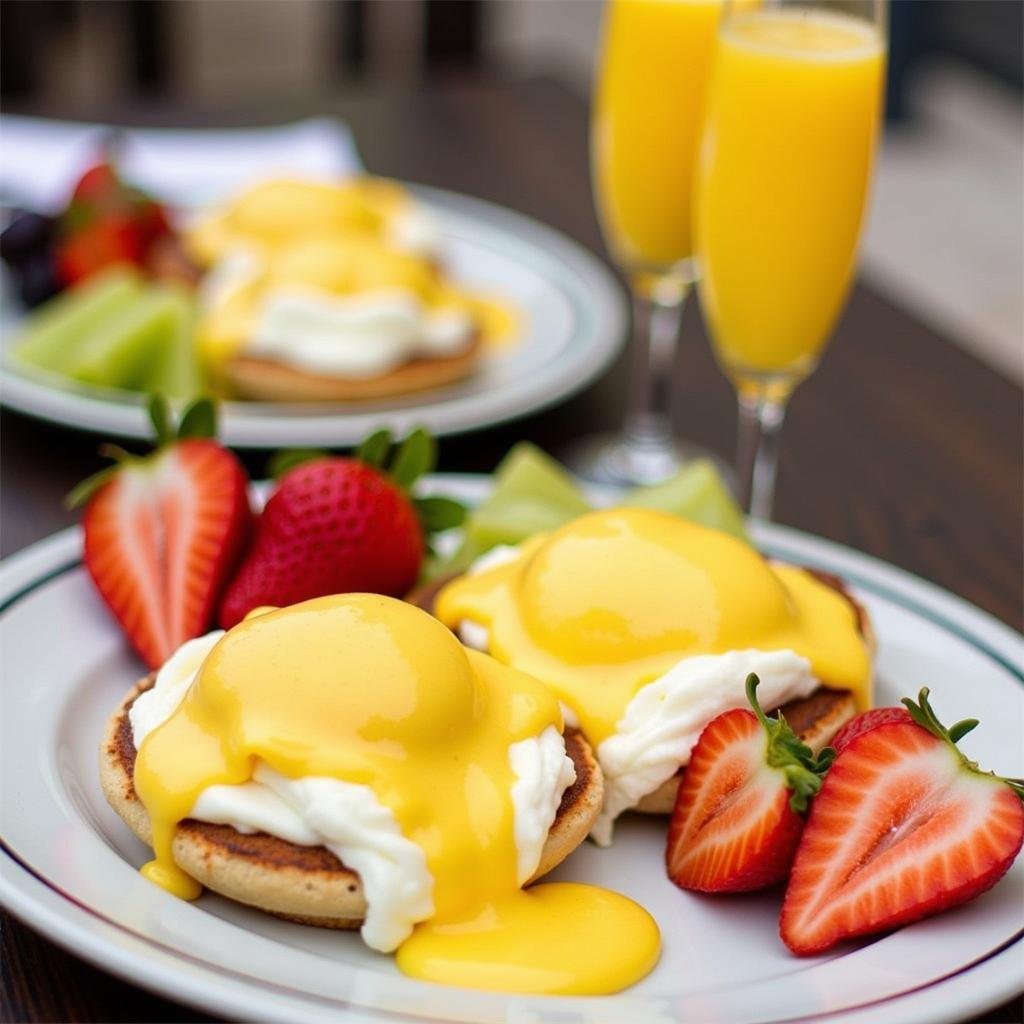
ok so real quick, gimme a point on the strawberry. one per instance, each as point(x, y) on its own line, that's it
point(866, 721)
point(337, 525)
point(739, 812)
point(163, 531)
point(904, 827)
point(106, 222)
point(101, 243)
point(97, 184)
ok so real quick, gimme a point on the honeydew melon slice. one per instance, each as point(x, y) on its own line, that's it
point(56, 332)
point(175, 370)
point(697, 493)
point(121, 351)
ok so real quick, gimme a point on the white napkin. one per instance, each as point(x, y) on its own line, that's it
point(40, 159)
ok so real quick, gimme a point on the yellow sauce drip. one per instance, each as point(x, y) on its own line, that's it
point(614, 599)
point(372, 691)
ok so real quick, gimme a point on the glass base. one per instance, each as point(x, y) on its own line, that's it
point(621, 461)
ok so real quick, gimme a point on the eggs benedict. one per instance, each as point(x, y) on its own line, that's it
point(334, 292)
point(645, 626)
point(346, 762)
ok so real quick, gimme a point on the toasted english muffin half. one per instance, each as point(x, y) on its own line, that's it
point(266, 380)
point(307, 884)
point(815, 719)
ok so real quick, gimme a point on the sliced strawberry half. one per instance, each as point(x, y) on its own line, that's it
point(739, 812)
point(164, 531)
point(904, 827)
point(865, 722)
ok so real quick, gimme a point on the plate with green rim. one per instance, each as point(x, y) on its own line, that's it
point(68, 864)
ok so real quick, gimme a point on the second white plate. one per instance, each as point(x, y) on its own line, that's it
point(573, 324)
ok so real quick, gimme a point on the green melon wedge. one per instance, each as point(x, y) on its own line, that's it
point(122, 351)
point(697, 493)
point(174, 370)
point(55, 333)
point(532, 494)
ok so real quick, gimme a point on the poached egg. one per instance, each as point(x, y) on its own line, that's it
point(645, 625)
point(367, 703)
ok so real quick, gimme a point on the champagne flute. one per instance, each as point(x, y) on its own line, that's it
point(645, 129)
point(786, 158)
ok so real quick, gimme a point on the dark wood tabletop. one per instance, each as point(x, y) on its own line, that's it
point(901, 445)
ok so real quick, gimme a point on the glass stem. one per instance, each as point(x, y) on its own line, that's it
point(656, 331)
point(757, 455)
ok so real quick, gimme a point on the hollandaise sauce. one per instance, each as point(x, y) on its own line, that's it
point(372, 691)
point(357, 259)
point(616, 598)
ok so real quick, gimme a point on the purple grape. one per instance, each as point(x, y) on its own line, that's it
point(26, 237)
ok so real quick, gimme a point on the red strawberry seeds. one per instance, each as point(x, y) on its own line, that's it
point(334, 525)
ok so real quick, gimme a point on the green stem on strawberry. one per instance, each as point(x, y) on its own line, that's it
point(924, 715)
point(198, 419)
point(784, 750)
point(414, 457)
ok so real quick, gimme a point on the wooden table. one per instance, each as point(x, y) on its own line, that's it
point(901, 445)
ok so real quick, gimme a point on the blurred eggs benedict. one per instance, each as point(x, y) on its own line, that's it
point(356, 728)
point(645, 626)
point(333, 291)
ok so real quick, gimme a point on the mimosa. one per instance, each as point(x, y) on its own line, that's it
point(645, 127)
point(792, 123)
point(657, 55)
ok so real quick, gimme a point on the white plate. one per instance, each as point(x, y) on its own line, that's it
point(68, 862)
point(574, 322)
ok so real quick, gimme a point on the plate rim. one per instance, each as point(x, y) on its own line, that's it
point(606, 310)
point(955, 995)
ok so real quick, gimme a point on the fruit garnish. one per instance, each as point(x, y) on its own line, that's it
point(337, 524)
point(106, 222)
point(533, 494)
point(738, 814)
point(865, 722)
point(905, 826)
point(116, 330)
point(59, 329)
point(26, 246)
point(163, 531)
point(696, 492)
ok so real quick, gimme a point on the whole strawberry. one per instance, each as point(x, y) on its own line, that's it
point(340, 525)
point(164, 531)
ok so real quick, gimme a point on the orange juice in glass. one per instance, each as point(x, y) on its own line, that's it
point(788, 146)
point(657, 54)
point(645, 128)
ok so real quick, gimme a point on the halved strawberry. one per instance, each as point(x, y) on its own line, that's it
point(739, 812)
point(163, 531)
point(865, 722)
point(904, 827)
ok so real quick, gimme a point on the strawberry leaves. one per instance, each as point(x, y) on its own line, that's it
point(437, 513)
point(413, 458)
point(416, 456)
point(288, 459)
point(784, 750)
point(198, 419)
point(374, 450)
point(924, 715)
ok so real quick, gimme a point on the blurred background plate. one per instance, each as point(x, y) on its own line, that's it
point(573, 324)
